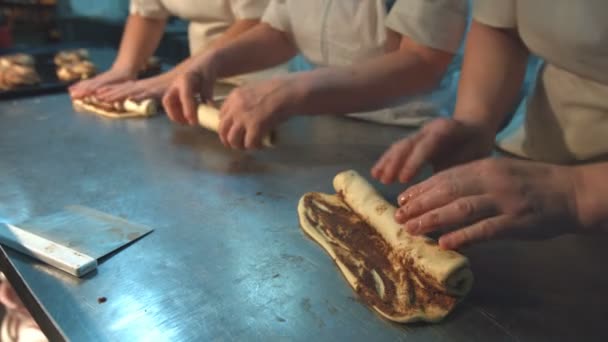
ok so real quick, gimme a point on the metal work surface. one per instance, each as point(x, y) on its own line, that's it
point(227, 260)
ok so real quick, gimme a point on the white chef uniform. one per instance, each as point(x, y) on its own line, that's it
point(209, 19)
point(567, 114)
point(343, 33)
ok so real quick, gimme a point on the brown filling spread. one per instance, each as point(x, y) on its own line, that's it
point(387, 279)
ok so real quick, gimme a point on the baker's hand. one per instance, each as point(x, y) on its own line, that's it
point(251, 111)
point(112, 76)
point(9, 298)
point(148, 88)
point(185, 93)
point(492, 198)
point(442, 143)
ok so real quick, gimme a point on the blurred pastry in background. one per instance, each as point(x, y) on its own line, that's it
point(76, 71)
point(22, 59)
point(15, 76)
point(71, 56)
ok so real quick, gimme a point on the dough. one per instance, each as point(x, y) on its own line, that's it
point(18, 59)
point(119, 110)
point(404, 278)
point(209, 118)
point(71, 57)
point(76, 71)
point(15, 75)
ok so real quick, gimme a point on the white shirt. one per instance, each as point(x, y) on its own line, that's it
point(567, 115)
point(343, 33)
point(208, 18)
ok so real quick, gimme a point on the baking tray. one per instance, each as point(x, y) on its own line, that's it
point(49, 83)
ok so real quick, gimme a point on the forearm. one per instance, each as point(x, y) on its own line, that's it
point(233, 32)
point(411, 70)
point(492, 74)
point(260, 48)
point(139, 41)
point(592, 196)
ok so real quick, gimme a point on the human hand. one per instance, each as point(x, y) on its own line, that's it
point(186, 92)
point(90, 86)
point(153, 87)
point(442, 142)
point(251, 111)
point(492, 198)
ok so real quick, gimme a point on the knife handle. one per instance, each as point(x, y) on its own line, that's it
point(54, 254)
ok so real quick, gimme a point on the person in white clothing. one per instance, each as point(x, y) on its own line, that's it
point(212, 24)
point(557, 185)
point(386, 57)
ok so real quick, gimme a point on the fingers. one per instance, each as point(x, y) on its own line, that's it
point(440, 190)
point(458, 213)
point(406, 158)
point(82, 88)
point(144, 95)
point(117, 92)
point(224, 129)
point(239, 128)
point(437, 195)
point(389, 165)
point(236, 137)
point(179, 100)
point(188, 104)
point(173, 106)
point(424, 150)
point(416, 190)
point(254, 136)
point(146, 91)
point(88, 87)
point(463, 180)
point(480, 231)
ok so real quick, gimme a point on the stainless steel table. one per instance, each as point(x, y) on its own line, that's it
point(227, 260)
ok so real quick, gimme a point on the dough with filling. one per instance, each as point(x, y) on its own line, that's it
point(119, 110)
point(71, 57)
point(17, 59)
point(76, 71)
point(404, 278)
point(209, 118)
point(15, 76)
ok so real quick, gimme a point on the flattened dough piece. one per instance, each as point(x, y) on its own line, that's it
point(402, 277)
point(209, 118)
point(125, 110)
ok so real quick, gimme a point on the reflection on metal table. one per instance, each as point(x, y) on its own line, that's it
point(227, 260)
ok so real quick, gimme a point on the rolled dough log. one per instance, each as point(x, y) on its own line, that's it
point(125, 110)
point(209, 118)
point(404, 278)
